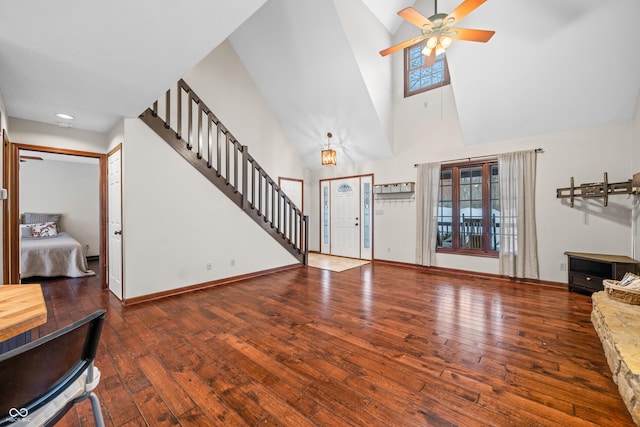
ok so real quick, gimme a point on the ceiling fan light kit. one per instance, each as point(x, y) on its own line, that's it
point(438, 32)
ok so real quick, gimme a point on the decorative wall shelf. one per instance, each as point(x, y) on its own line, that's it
point(595, 189)
point(394, 188)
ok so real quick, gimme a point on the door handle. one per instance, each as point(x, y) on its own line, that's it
point(117, 232)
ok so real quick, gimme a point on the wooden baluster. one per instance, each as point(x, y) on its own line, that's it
point(235, 165)
point(190, 119)
point(167, 109)
point(290, 221)
point(226, 156)
point(280, 202)
point(155, 109)
point(274, 191)
point(218, 149)
point(209, 139)
point(305, 243)
point(253, 185)
point(266, 196)
point(297, 237)
point(199, 153)
point(260, 191)
point(245, 177)
point(179, 113)
point(284, 217)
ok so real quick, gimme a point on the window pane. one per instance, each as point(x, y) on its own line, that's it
point(476, 192)
point(472, 220)
point(444, 237)
point(429, 77)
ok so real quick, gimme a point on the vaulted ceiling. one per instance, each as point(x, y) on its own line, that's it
point(552, 64)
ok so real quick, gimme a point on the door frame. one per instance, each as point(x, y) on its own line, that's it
point(10, 212)
point(106, 205)
point(13, 163)
point(368, 176)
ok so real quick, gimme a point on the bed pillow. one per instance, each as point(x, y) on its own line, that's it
point(41, 218)
point(26, 230)
point(47, 229)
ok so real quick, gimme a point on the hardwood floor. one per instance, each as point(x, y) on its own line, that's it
point(374, 345)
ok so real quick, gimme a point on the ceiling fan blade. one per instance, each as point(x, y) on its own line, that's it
point(402, 45)
point(471, 35)
point(462, 10)
point(430, 60)
point(413, 16)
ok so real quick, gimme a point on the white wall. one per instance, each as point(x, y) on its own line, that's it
point(357, 19)
point(49, 135)
point(224, 84)
point(3, 113)
point(175, 221)
point(69, 188)
point(426, 130)
point(115, 136)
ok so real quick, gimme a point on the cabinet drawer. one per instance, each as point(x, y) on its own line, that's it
point(586, 281)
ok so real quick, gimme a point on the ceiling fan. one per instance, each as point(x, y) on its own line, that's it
point(438, 30)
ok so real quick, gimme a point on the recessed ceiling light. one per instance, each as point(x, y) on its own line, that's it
point(65, 116)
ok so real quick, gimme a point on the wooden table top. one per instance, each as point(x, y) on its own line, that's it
point(22, 308)
point(602, 257)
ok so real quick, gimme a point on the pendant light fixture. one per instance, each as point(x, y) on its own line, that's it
point(328, 155)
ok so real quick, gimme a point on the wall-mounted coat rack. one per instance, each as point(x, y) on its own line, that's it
point(595, 189)
point(395, 188)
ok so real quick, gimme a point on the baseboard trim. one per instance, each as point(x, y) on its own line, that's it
point(475, 274)
point(205, 285)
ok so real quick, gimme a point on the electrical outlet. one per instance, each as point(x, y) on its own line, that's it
point(209, 266)
point(233, 263)
point(563, 266)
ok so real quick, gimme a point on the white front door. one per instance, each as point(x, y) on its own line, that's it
point(345, 217)
point(114, 228)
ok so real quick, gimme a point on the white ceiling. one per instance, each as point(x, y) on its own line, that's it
point(552, 65)
point(103, 60)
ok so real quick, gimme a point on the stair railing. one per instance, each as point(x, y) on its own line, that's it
point(212, 149)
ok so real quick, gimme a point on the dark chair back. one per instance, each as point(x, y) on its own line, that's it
point(34, 374)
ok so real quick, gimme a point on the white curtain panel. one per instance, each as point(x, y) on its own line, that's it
point(518, 242)
point(427, 192)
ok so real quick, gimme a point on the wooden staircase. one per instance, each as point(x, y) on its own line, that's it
point(211, 148)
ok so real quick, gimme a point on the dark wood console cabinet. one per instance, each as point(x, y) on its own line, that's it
point(587, 271)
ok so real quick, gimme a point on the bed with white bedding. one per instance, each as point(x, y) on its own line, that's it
point(45, 252)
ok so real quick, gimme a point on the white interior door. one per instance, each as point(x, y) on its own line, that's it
point(293, 188)
point(114, 171)
point(345, 217)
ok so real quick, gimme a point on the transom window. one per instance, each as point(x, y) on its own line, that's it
point(469, 209)
point(417, 77)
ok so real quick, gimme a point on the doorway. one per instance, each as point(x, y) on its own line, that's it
point(13, 163)
point(346, 225)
